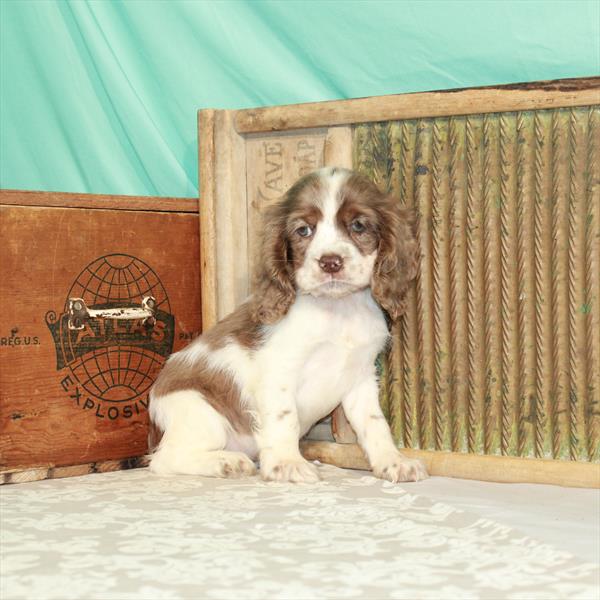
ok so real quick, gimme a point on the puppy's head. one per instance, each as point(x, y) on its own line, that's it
point(334, 233)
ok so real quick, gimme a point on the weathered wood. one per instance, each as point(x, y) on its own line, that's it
point(98, 201)
point(223, 201)
point(515, 97)
point(26, 475)
point(506, 230)
point(338, 147)
point(208, 226)
point(80, 397)
point(340, 427)
point(231, 214)
point(499, 469)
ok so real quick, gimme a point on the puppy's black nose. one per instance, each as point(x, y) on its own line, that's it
point(331, 263)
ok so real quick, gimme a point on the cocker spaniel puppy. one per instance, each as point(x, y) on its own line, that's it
point(337, 253)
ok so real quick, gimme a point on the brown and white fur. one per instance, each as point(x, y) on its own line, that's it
point(337, 253)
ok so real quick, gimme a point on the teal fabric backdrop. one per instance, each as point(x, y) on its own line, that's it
point(101, 96)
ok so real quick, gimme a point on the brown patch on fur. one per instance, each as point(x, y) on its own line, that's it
point(283, 414)
point(397, 261)
point(240, 326)
point(216, 386)
point(310, 215)
point(275, 290)
point(398, 255)
point(356, 206)
point(154, 436)
point(283, 250)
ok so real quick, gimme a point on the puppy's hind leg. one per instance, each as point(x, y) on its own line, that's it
point(194, 438)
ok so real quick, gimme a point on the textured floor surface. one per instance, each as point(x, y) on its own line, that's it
point(130, 535)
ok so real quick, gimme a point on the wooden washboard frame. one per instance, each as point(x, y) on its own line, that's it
point(494, 371)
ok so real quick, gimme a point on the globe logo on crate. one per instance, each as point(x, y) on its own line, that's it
point(112, 359)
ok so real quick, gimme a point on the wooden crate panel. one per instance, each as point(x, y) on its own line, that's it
point(75, 397)
point(500, 349)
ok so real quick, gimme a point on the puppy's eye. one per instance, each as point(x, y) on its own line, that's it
point(357, 227)
point(304, 231)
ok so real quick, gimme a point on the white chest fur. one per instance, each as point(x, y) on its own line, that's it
point(323, 346)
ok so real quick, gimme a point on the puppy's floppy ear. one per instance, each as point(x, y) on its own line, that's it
point(275, 291)
point(397, 260)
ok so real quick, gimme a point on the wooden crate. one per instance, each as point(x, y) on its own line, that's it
point(494, 371)
point(74, 401)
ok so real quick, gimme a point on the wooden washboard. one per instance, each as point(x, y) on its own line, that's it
point(494, 373)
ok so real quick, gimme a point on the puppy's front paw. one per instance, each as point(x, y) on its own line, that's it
point(296, 470)
point(398, 468)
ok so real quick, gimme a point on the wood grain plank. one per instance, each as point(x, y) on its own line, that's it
point(97, 201)
point(475, 284)
point(423, 184)
point(26, 475)
point(412, 374)
point(592, 268)
point(492, 425)
point(526, 96)
point(543, 412)
point(560, 137)
point(459, 317)
point(208, 225)
point(500, 469)
point(527, 358)
point(230, 214)
point(444, 408)
point(511, 391)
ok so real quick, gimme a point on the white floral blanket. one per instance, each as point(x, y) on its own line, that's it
point(132, 535)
